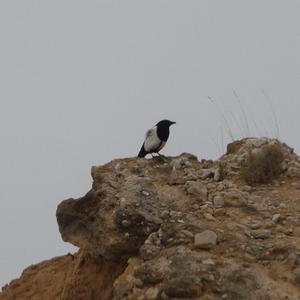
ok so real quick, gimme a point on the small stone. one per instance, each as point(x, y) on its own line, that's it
point(190, 174)
point(210, 206)
point(187, 233)
point(220, 187)
point(247, 188)
point(255, 226)
point(295, 185)
point(209, 217)
point(164, 214)
point(261, 234)
point(206, 173)
point(123, 203)
point(290, 231)
point(228, 184)
point(196, 206)
point(145, 193)
point(258, 142)
point(282, 205)
point(211, 186)
point(189, 156)
point(204, 207)
point(173, 214)
point(219, 212)
point(196, 188)
point(218, 201)
point(152, 293)
point(208, 261)
point(235, 198)
point(269, 224)
point(206, 239)
point(126, 223)
point(217, 175)
point(179, 214)
point(276, 218)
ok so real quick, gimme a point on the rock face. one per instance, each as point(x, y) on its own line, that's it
point(176, 228)
point(69, 277)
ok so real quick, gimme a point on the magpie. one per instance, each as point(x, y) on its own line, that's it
point(156, 138)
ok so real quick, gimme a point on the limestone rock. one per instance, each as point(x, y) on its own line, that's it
point(197, 188)
point(168, 228)
point(206, 239)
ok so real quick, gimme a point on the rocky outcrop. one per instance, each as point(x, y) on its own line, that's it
point(69, 277)
point(177, 228)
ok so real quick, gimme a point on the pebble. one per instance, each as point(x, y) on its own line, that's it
point(210, 205)
point(145, 193)
point(126, 223)
point(211, 186)
point(187, 233)
point(218, 201)
point(196, 206)
point(219, 212)
point(227, 183)
point(217, 175)
point(204, 206)
point(261, 234)
point(220, 188)
point(208, 261)
point(269, 224)
point(209, 217)
point(295, 185)
point(123, 203)
point(196, 188)
point(276, 218)
point(173, 214)
point(164, 214)
point(282, 205)
point(152, 294)
point(206, 173)
point(290, 231)
point(247, 188)
point(206, 239)
point(255, 226)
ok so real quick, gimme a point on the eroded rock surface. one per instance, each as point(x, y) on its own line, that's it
point(177, 228)
point(69, 277)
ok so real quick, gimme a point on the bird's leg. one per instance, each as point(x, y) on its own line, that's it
point(160, 156)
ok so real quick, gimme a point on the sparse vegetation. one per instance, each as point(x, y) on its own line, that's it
point(238, 121)
point(263, 166)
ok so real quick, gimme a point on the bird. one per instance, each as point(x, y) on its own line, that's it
point(156, 138)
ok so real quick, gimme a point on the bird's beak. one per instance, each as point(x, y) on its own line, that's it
point(173, 123)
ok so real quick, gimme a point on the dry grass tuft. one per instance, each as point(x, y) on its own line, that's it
point(263, 166)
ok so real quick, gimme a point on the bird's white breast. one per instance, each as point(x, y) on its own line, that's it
point(152, 141)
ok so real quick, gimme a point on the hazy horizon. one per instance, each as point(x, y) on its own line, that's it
point(81, 82)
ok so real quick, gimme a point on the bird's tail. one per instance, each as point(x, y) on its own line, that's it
point(142, 152)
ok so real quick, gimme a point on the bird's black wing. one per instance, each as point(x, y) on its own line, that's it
point(142, 152)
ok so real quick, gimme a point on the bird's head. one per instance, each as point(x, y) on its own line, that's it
point(165, 123)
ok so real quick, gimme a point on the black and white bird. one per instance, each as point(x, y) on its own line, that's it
point(156, 138)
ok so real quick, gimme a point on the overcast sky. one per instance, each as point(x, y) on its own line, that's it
point(81, 82)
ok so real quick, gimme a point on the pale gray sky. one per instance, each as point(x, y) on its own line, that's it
point(81, 82)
